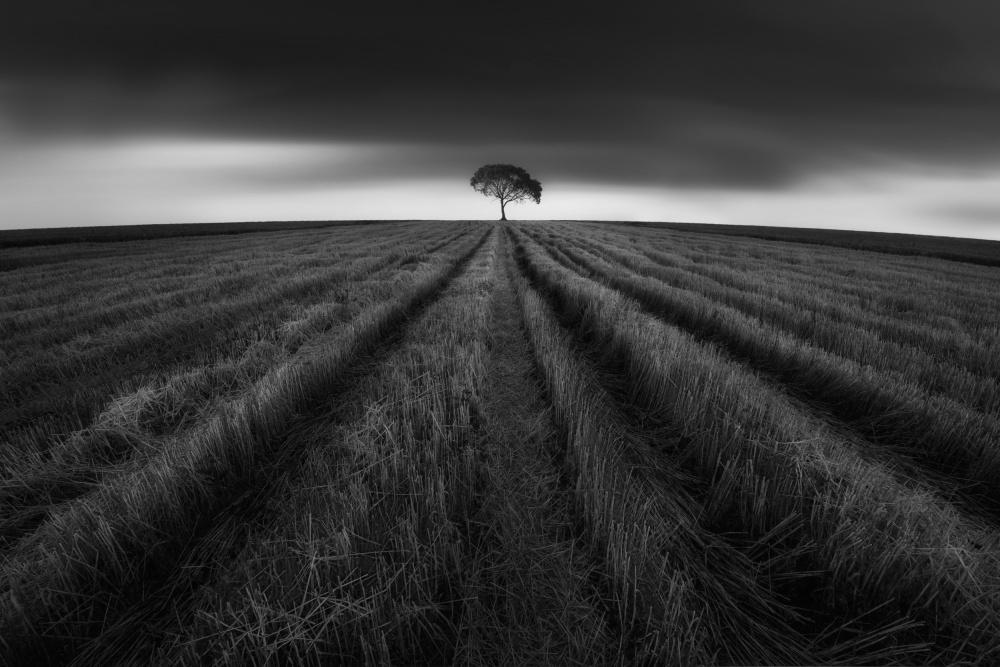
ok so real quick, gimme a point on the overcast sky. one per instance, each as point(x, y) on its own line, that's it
point(841, 114)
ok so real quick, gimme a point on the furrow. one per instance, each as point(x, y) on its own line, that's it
point(95, 556)
point(943, 437)
point(943, 362)
point(240, 333)
point(915, 576)
point(677, 588)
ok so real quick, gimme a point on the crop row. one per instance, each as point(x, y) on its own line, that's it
point(834, 242)
point(944, 365)
point(887, 309)
point(533, 444)
point(945, 297)
point(916, 304)
point(680, 594)
point(60, 388)
point(206, 307)
point(380, 547)
point(41, 285)
point(364, 544)
point(40, 473)
point(181, 277)
point(890, 558)
point(84, 565)
point(947, 317)
point(941, 434)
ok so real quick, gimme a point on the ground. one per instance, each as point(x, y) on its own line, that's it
point(518, 443)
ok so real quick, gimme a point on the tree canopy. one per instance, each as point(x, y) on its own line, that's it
point(507, 183)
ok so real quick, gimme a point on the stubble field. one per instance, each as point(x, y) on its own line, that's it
point(481, 443)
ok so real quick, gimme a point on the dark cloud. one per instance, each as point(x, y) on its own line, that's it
point(703, 94)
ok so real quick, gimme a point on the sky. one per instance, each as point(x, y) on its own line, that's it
point(845, 114)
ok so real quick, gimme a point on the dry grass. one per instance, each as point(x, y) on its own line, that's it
point(438, 443)
point(90, 554)
point(873, 538)
point(933, 430)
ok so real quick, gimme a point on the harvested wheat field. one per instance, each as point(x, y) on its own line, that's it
point(497, 443)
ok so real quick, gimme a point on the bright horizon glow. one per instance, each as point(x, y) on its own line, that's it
point(168, 180)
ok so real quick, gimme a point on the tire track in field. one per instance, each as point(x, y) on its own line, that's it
point(46, 614)
point(535, 600)
point(876, 443)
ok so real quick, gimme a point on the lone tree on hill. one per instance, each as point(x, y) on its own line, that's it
point(507, 183)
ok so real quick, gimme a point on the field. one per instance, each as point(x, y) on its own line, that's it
point(479, 443)
point(976, 251)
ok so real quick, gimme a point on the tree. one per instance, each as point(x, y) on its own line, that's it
point(507, 183)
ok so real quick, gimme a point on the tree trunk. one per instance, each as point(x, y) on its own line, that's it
point(503, 214)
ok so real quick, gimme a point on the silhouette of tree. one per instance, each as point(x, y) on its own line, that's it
point(507, 183)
